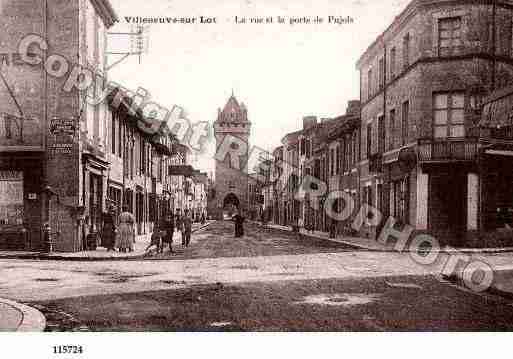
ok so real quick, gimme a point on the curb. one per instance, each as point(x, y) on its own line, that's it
point(364, 248)
point(57, 257)
point(456, 279)
point(348, 244)
point(32, 319)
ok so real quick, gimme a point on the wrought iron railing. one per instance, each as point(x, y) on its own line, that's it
point(463, 149)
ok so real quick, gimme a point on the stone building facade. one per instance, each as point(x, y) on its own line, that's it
point(45, 128)
point(65, 161)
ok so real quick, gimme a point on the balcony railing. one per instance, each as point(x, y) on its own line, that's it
point(447, 150)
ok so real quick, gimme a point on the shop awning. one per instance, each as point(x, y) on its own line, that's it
point(499, 149)
point(183, 170)
point(498, 109)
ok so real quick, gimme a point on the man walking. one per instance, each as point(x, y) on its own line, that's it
point(179, 224)
point(187, 228)
point(169, 227)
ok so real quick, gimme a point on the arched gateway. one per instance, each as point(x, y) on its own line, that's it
point(230, 204)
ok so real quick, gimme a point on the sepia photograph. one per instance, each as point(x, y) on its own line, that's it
point(234, 166)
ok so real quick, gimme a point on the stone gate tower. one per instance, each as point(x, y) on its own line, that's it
point(232, 129)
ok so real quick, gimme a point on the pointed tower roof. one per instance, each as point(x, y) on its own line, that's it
point(232, 105)
point(233, 111)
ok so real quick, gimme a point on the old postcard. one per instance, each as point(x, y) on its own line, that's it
point(181, 166)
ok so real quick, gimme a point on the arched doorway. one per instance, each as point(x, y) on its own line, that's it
point(230, 204)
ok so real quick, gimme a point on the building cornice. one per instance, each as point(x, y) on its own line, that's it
point(412, 9)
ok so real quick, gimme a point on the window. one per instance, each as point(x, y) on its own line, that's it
point(391, 132)
point(142, 149)
point(350, 151)
point(355, 150)
point(367, 195)
point(448, 115)
point(113, 134)
point(120, 137)
point(131, 158)
point(337, 160)
point(11, 198)
point(344, 157)
point(449, 36)
point(406, 51)
point(114, 196)
point(382, 134)
point(333, 161)
point(152, 210)
point(392, 62)
point(369, 83)
point(381, 73)
point(369, 139)
point(405, 122)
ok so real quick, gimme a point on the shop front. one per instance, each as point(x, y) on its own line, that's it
point(20, 202)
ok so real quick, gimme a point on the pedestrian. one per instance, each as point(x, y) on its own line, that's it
point(179, 224)
point(203, 218)
point(239, 224)
point(169, 228)
point(333, 229)
point(300, 225)
point(156, 241)
point(187, 228)
point(126, 231)
point(108, 238)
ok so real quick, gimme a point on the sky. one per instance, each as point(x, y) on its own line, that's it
point(281, 72)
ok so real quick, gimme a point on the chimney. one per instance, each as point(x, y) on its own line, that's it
point(353, 108)
point(309, 121)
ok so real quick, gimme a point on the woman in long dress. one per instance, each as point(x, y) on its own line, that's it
point(108, 230)
point(126, 231)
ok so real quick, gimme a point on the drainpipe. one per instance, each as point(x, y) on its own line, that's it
point(494, 46)
point(45, 196)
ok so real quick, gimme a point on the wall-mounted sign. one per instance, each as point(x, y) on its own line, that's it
point(61, 148)
point(64, 126)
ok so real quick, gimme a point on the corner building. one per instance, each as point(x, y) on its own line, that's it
point(422, 141)
point(44, 131)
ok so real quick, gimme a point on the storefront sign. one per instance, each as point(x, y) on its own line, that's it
point(65, 126)
point(11, 198)
point(61, 148)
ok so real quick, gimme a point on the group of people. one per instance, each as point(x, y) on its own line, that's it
point(120, 235)
point(163, 234)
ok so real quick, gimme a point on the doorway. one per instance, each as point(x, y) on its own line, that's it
point(447, 206)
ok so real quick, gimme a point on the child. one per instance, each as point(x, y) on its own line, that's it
point(156, 240)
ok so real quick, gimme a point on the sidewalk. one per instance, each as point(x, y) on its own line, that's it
point(100, 254)
point(16, 317)
point(374, 245)
point(503, 283)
